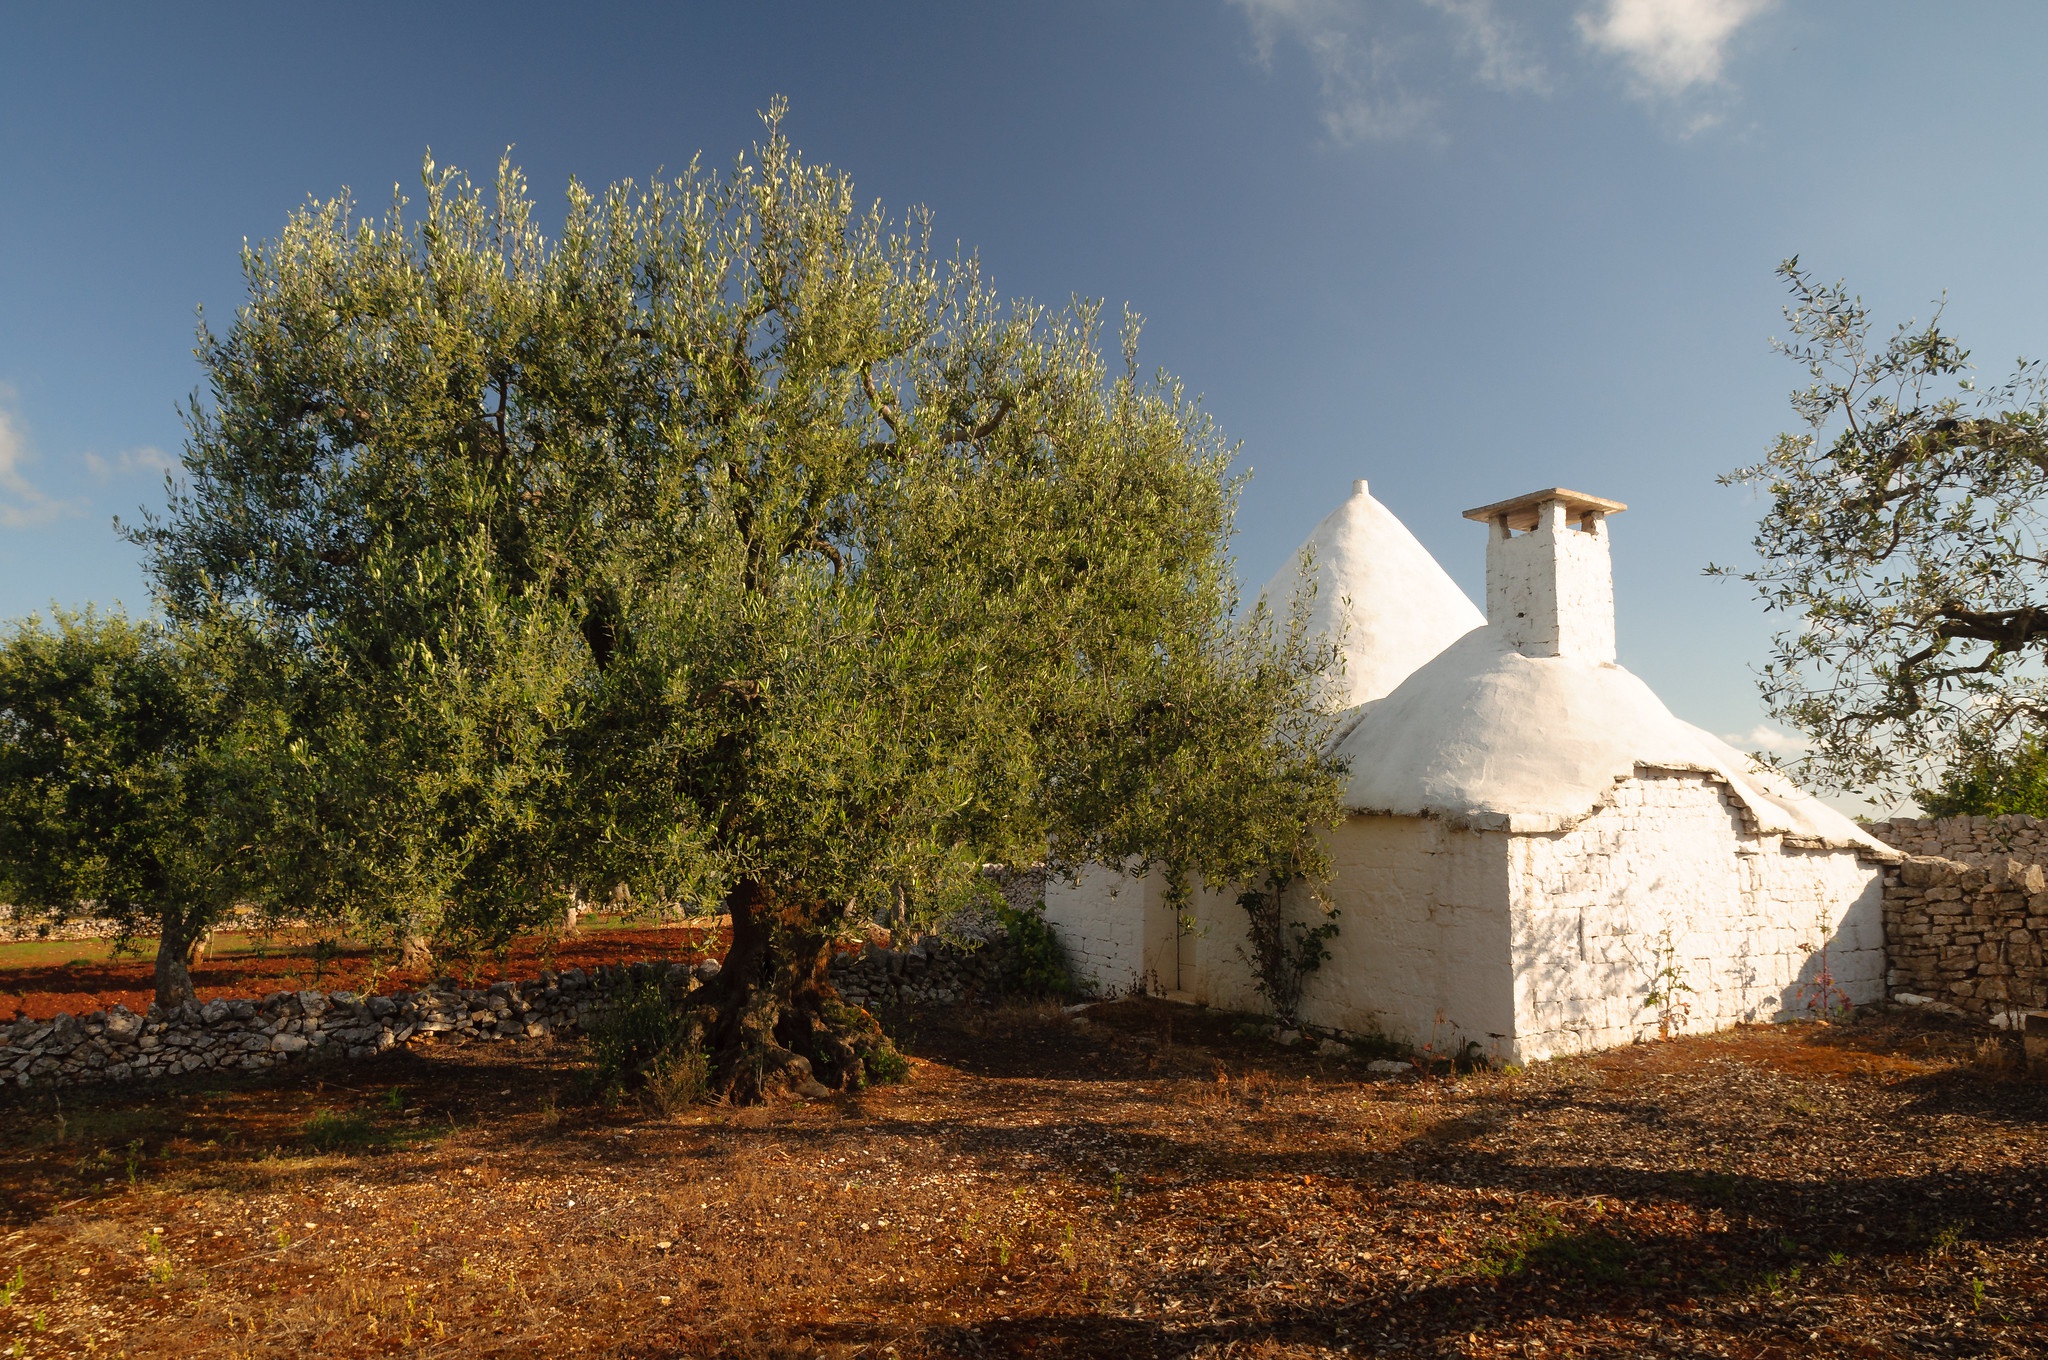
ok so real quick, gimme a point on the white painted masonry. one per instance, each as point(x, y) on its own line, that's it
point(1550, 589)
point(1673, 874)
point(1377, 594)
point(1120, 937)
point(1537, 846)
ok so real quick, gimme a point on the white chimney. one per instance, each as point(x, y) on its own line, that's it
point(1549, 579)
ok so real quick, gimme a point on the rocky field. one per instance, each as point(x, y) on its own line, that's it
point(1140, 1180)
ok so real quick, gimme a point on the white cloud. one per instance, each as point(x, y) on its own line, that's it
point(1363, 51)
point(1505, 61)
point(22, 503)
point(1671, 47)
point(148, 458)
point(1764, 737)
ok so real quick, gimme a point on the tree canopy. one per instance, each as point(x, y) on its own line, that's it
point(734, 547)
point(139, 773)
point(1904, 538)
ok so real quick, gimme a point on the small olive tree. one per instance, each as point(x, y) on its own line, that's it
point(140, 772)
point(1904, 537)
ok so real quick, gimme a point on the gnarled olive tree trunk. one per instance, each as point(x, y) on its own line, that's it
point(771, 1023)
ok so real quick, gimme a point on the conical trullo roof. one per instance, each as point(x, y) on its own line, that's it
point(1379, 592)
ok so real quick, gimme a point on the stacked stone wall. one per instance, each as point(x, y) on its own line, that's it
point(1966, 915)
point(19, 927)
point(14, 931)
point(1969, 839)
point(1968, 935)
point(254, 1034)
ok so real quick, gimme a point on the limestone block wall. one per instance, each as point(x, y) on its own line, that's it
point(17, 925)
point(1969, 839)
point(253, 1034)
point(1671, 878)
point(13, 929)
point(1970, 935)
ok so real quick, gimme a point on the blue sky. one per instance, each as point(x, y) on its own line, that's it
point(1463, 248)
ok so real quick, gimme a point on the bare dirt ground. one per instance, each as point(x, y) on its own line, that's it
point(38, 979)
point(1144, 1183)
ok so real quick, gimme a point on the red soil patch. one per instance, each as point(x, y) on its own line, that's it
point(39, 992)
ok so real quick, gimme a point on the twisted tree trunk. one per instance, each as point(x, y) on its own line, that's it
point(415, 950)
point(771, 1023)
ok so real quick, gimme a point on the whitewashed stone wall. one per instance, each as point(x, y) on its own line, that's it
point(1672, 872)
point(1421, 951)
point(1119, 935)
point(1527, 945)
point(1551, 590)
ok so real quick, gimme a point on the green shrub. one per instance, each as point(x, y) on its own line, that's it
point(1992, 783)
point(336, 1130)
point(678, 1078)
point(880, 1063)
point(641, 1042)
point(1040, 963)
point(884, 1065)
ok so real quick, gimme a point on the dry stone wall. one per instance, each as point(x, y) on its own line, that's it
point(1966, 915)
point(1969, 839)
point(255, 1034)
point(1968, 935)
point(15, 930)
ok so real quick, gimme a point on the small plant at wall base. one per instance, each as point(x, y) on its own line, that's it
point(1283, 952)
point(1668, 988)
point(1823, 996)
point(644, 1043)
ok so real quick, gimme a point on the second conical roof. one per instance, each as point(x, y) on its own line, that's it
point(1378, 592)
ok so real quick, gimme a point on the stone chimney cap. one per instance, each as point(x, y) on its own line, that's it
point(1521, 511)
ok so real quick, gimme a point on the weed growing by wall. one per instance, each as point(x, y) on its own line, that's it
point(642, 1042)
point(1284, 952)
point(1668, 987)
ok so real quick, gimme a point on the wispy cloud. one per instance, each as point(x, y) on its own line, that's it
point(1366, 54)
point(22, 503)
point(1505, 61)
point(147, 458)
point(1670, 47)
point(1764, 737)
point(1385, 68)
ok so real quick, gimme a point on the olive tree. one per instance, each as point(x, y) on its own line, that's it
point(1904, 538)
point(139, 775)
point(789, 572)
